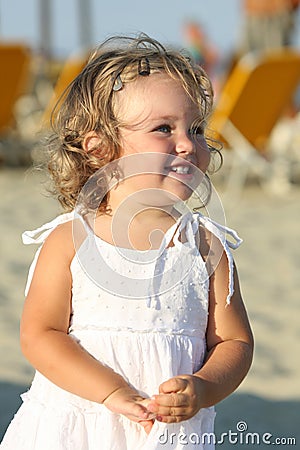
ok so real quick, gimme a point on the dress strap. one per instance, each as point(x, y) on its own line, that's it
point(221, 232)
point(39, 235)
point(189, 224)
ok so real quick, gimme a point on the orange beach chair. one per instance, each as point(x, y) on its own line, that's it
point(14, 73)
point(251, 103)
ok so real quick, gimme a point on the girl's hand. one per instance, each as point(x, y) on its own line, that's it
point(179, 399)
point(129, 403)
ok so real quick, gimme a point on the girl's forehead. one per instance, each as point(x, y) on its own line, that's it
point(154, 97)
point(156, 91)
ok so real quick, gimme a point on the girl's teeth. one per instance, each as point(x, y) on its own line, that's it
point(182, 170)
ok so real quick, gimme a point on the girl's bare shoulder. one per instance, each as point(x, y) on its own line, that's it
point(63, 240)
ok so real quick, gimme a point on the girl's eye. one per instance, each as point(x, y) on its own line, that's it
point(164, 128)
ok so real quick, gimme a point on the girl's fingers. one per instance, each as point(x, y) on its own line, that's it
point(135, 410)
point(170, 408)
point(169, 400)
point(172, 419)
point(173, 385)
point(172, 411)
point(145, 403)
point(147, 425)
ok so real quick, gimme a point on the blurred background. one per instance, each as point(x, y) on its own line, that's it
point(251, 50)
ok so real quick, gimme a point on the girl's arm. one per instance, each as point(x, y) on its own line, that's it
point(229, 340)
point(45, 341)
point(229, 355)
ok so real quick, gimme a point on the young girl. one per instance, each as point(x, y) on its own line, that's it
point(133, 317)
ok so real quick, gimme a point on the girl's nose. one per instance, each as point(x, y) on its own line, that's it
point(185, 144)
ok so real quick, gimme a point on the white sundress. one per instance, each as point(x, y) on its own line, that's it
point(144, 314)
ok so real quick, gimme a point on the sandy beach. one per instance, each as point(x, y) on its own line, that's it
point(268, 401)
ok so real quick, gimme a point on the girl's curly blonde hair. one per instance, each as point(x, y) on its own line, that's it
point(88, 104)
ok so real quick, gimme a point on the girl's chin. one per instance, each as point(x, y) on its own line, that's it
point(166, 198)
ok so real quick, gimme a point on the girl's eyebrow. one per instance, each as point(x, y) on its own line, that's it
point(164, 117)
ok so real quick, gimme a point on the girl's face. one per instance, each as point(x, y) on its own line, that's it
point(159, 118)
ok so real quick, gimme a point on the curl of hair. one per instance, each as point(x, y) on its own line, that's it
point(88, 104)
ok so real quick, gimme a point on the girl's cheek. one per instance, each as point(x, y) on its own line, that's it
point(204, 158)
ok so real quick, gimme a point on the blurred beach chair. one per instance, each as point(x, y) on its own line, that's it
point(15, 62)
point(70, 69)
point(14, 75)
point(251, 103)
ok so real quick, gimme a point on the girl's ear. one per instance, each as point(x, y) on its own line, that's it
point(91, 142)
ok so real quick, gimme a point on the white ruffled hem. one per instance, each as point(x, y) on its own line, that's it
point(38, 427)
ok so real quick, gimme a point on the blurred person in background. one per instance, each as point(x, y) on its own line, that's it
point(202, 50)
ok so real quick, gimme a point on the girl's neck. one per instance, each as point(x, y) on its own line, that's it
point(140, 229)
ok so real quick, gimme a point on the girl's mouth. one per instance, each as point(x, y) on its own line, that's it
point(182, 170)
